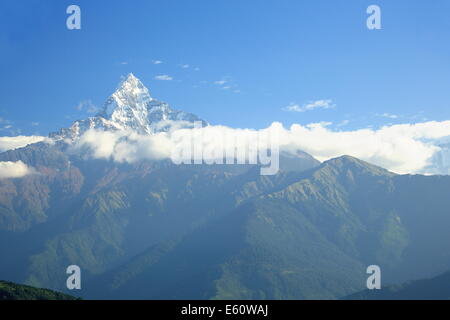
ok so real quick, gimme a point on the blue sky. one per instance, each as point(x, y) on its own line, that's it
point(244, 61)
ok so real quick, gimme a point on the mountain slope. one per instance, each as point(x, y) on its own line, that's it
point(252, 253)
point(97, 214)
point(394, 221)
point(311, 239)
point(13, 291)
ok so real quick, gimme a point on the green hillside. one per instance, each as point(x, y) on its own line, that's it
point(13, 291)
point(311, 239)
point(154, 230)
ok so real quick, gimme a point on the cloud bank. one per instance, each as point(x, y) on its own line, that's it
point(18, 169)
point(123, 146)
point(401, 148)
point(9, 143)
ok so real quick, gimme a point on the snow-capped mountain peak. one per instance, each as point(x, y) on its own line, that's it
point(127, 106)
point(130, 93)
point(131, 107)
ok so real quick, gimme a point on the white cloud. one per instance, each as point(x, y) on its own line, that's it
point(157, 61)
point(7, 124)
point(293, 107)
point(343, 123)
point(123, 146)
point(4, 120)
point(227, 84)
point(88, 106)
point(9, 143)
point(319, 104)
point(124, 63)
point(403, 148)
point(184, 66)
point(163, 77)
point(18, 169)
point(172, 125)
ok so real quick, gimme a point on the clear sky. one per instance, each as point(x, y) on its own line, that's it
point(235, 62)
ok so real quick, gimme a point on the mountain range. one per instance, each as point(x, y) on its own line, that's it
point(155, 230)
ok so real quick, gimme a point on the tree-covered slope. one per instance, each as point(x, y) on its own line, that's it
point(255, 252)
point(107, 213)
point(312, 238)
point(13, 291)
point(156, 230)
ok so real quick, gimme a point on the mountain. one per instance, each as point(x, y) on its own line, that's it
point(436, 288)
point(311, 239)
point(153, 229)
point(131, 107)
point(13, 291)
point(99, 214)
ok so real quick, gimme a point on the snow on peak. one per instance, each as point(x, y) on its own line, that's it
point(132, 88)
point(131, 107)
point(127, 106)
